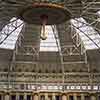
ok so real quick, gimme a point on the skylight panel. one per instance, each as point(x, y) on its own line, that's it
point(90, 38)
point(10, 41)
point(50, 44)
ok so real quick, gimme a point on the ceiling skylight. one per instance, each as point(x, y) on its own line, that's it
point(90, 38)
point(50, 44)
point(12, 29)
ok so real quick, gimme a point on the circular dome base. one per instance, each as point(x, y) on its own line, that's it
point(32, 14)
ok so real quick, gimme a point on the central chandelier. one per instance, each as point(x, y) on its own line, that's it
point(44, 14)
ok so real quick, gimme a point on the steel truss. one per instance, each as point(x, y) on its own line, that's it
point(9, 29)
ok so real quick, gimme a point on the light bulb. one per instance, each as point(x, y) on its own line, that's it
point(43, 28)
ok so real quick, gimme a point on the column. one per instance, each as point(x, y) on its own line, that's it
point(17, 96)
point(53, 96)
point(7, 97)
point(46, 96)
point(93, 97)
point(75, 97)
point(35, 96)
point(82, 97)
point(2, 96)
point(64, 97)
point(25, 96)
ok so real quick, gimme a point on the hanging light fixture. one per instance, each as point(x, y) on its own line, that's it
point(44, 19)
point(44, 14)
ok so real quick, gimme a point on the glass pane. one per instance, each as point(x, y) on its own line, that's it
point(28, 97)
point(49, 97)
point(98, 97)
point(71, 98)
point(0, 97)
point(13, 97)
point(78, 97)
point(21, 97)
point(10, 28)
point(88, 35)
point(42, 97)
point(87, 97)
